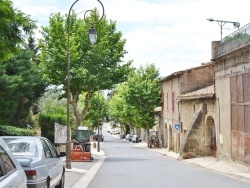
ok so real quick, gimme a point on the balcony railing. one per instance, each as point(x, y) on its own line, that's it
point(234, 41)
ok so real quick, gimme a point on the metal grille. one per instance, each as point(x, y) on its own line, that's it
point(235, 40)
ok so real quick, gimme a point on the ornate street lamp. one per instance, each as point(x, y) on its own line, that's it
point(93, 38)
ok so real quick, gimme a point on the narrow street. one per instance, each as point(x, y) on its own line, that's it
point(126, 165)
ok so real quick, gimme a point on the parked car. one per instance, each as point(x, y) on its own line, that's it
point(11, 172)
point(96, 136)
point(122, 136)
point(136, 139)
point(43, 166)
point(130, 137)
point(127, 136)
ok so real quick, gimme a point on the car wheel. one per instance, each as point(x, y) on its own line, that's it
point(61, 184)
point(88, 148)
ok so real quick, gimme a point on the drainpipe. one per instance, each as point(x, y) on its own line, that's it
point(219, 113)
point(179, 121)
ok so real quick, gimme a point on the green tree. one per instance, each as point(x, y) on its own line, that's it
point(135, 101)
point(145, 93)
point(93, 67)
point(21, 85)
point(15, 26)
point(119, 110)
point(97, 112)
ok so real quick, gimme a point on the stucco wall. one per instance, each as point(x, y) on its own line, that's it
point(224, 67)
point(170, 116)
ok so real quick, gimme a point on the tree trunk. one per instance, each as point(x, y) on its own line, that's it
point(80, 116)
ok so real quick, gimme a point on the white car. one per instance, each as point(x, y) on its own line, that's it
point(11, 172)
point(41, 163)
point(127, 136)
point(136, 139)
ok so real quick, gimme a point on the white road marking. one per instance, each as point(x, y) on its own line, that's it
point(86, 179)
point(76, 170)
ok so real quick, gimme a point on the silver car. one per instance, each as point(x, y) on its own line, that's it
point(11, 172)
point(39, 159)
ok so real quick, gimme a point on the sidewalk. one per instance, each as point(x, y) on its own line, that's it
point(230, 168)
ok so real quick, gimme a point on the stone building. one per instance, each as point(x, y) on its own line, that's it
point(206, 109)
point(231, 58)
point(188, 110)
point(198, 130)
point(170, 115)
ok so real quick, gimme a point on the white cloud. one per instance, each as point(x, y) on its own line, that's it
point(173, 34)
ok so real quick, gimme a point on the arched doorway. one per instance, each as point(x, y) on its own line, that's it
point(165, 135)
point(211, 136)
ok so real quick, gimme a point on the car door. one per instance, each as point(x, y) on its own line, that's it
point(57, 162)
point(50, 162)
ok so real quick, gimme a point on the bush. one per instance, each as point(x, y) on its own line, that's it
point(46, 121)
point(6, 130)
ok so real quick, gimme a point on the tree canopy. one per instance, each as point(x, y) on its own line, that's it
point(92, 67)
point(21, 85)
point(15, 26)
point(134, 102)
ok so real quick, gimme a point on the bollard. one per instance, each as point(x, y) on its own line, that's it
point(94, 145)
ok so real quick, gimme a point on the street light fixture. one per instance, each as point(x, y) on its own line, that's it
point(222, 23)
point(92, 35)
point(93, 38)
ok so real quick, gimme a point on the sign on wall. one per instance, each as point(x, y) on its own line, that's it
point(177, 126)
point(60, 135)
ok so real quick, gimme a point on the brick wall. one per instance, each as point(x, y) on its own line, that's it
point(197, 78)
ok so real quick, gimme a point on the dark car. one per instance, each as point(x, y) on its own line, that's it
point(122, 136)
point(100, 137)
point(43, 166)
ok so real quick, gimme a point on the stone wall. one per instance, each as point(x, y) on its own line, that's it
point(196, 78)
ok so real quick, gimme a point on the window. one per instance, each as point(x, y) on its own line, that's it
point(167, 100)
point(52, 148)
point(22, 146)
point(173, 100)
point(6, 164)
point(162, 98)
point(46, 149)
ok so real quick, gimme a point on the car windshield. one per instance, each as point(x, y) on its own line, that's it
point(22, 146)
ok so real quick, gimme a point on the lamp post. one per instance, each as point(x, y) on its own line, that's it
point(98, 123)
point(222, 23)
point(93, 38)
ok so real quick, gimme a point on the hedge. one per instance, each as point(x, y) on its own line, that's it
point(46, 121)
point(7, 130)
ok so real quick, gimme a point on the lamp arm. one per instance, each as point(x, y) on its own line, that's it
point(92, 23)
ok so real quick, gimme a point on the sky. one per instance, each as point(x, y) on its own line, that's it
point(174, 35)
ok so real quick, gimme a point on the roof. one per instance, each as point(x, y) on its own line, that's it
point(207, 92)
point(178, 73)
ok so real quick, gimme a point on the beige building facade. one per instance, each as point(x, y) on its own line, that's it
point(170, 114)
point(188, 105)
point(206, 109)
point(232, 85)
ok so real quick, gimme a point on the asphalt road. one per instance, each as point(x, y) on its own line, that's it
point(127, 166)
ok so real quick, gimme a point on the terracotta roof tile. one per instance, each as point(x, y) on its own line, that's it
point(207, 92)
